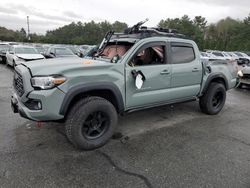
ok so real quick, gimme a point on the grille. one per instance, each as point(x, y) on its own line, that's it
point(18, 84)
point(246, 76)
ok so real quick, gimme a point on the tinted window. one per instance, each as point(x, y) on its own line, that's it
point(182, 54)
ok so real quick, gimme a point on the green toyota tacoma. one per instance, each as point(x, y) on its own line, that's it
point(140, 68)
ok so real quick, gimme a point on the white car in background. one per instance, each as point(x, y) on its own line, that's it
point(233, 55)
point(204, 56)
point(228, 56)
point(243, 56)
point(19, 53)
point(217, 55)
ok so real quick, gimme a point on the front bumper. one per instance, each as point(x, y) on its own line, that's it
point(37, 105)
point(51, 101)
point(245, 81)
point(15, 108)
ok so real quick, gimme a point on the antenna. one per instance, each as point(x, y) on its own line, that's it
point(28, 24)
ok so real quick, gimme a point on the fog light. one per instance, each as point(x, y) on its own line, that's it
point(33, 104)
point(39, 105)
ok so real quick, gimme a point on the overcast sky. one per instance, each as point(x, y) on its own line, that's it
point(50, 14)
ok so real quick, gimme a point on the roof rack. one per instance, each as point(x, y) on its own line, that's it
point(145, 32)
point(139, 31)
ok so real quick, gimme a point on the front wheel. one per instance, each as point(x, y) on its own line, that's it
point(91, 123)
point(214, 99)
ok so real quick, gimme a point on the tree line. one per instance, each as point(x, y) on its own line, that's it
point(227, 34)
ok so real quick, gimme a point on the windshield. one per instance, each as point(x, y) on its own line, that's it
point(73, 49)
point(23, 50)
point(112, 50)
point(40, 49)
point(63, 51)
point(4, 47)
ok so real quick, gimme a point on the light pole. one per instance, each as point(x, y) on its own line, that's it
point(28, 24)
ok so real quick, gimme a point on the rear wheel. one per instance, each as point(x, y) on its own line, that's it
point(214, 99)
point(91, 123)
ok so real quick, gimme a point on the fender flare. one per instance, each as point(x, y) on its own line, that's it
point(213, 76)
point(83, 88)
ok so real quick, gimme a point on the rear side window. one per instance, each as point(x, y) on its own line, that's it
point(182, 54)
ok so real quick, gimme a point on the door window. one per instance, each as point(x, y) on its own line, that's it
point(182, 54)
point(151, 55)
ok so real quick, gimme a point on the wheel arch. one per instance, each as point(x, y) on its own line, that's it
point(105, 90)
point(216, 77)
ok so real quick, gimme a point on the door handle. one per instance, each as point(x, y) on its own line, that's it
point(165, 72)
point(195, 70)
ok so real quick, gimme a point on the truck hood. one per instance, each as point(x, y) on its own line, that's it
point(59, 65)
point(30, 56)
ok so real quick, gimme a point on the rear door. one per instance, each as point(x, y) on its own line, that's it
point(157, 73)
point(186, 70)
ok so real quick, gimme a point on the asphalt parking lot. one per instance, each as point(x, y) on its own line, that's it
point(171, 146)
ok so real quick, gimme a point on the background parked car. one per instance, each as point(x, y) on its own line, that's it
point(4, 47)
point(218, 55)
point(20, 53)
point(56, 51)
point(76, 50)
point(40, 49)
point(204, 56)
point(90, 51)
point(244, 75)
point(243, 57)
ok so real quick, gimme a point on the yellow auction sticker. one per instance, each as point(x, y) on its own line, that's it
point(87, 62)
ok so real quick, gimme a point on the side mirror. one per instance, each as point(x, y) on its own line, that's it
point(115, 59)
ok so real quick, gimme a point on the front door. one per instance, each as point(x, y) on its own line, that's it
point(151, 62)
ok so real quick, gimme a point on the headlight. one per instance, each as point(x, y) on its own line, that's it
point(47, 82)
point(240, 73)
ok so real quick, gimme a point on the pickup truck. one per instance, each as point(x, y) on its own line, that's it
point(138, 69)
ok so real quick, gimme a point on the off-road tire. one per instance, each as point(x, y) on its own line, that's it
point(208, 100)
point(78, 116)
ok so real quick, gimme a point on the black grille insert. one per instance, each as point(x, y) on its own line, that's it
point(18, 83)
point(246, 76)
